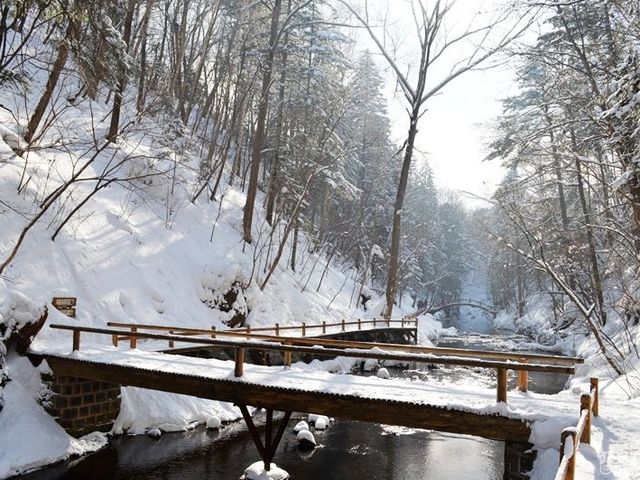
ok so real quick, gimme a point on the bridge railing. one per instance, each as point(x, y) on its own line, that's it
point(304, 329)
point(572, 437)
point(343, 325)
point(290, 345)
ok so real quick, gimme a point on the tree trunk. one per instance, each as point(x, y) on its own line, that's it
point(122, 82)
point(58, 65)
point(392, 277)
point(258, 139)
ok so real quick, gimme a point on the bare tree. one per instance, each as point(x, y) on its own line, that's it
point(435, 45)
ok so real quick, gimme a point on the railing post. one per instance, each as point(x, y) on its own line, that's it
point(374, 322)
point(571, 466)
point(277, 329)
point(171, 341)
point(248, 331)
point(388, 322)
point(594, 391)
point(114, 340)
point(585, 404)
point(133, 340)
point(76, 340)
point(402, 322)
point(286, 356)
point(213, 335)
point(324, 326)
point(239, 370)
point(359, 324)
point(304, 329)
point(523, 378)
point(343, 324)
point(502, 385)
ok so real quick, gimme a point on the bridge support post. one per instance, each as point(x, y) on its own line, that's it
point(502, 385)
point(518, 460)
point(266, 449)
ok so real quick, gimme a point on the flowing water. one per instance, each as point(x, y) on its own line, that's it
point(346, 450)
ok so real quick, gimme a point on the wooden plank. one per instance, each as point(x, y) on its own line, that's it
point(339, 406)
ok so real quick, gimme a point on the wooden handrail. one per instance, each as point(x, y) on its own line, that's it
point(581, 433)
point(486, 354)
point(374, 322)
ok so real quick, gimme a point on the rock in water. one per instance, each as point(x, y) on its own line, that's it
point(154, 432)
point(301, 426)
point(383, 373)
point(306, 439)
point(322, 422)
point(214, 422)
point(257, 472)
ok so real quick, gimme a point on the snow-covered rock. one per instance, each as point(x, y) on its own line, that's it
point(214, 422)
point(154, 432)
point(306, 439)
point(257, 472)
point(383, 373)
point(322, 423)
point(302, 425)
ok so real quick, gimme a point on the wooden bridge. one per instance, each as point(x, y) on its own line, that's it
point(396, 402)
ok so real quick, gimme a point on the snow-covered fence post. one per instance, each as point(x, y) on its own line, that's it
point(133, 340)
point(594, 392)
point(523, 378)
point(304, 329)
point(571, 455)
point(324, 326)
point(239, 370)
point(502, 385)
point(277, 329)
point(585, 404)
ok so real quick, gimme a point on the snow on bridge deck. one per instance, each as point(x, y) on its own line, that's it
point(464, 407)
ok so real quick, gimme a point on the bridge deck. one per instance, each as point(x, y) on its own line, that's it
point(418, 404)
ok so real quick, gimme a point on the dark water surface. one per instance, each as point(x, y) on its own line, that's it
point(347, 450)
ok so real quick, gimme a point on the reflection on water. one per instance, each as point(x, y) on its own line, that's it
point(346, 450)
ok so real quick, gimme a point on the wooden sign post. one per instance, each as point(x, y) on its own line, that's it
point(66, 305)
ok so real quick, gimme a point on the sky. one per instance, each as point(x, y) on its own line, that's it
point(454, 132)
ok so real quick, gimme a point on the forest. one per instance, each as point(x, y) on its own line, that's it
point(279, 100)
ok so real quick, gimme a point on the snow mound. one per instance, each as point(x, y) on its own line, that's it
point(306, 439)
point(302, 425)
point(154, 432)
point(322, 423)
point(257, 472)
point(214, 422)
point(383, 373)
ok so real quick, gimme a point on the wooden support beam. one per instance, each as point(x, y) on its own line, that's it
point(523, 378)
point(347, 406)
point(254, 432)
point(239, 366)
point(502, 385)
